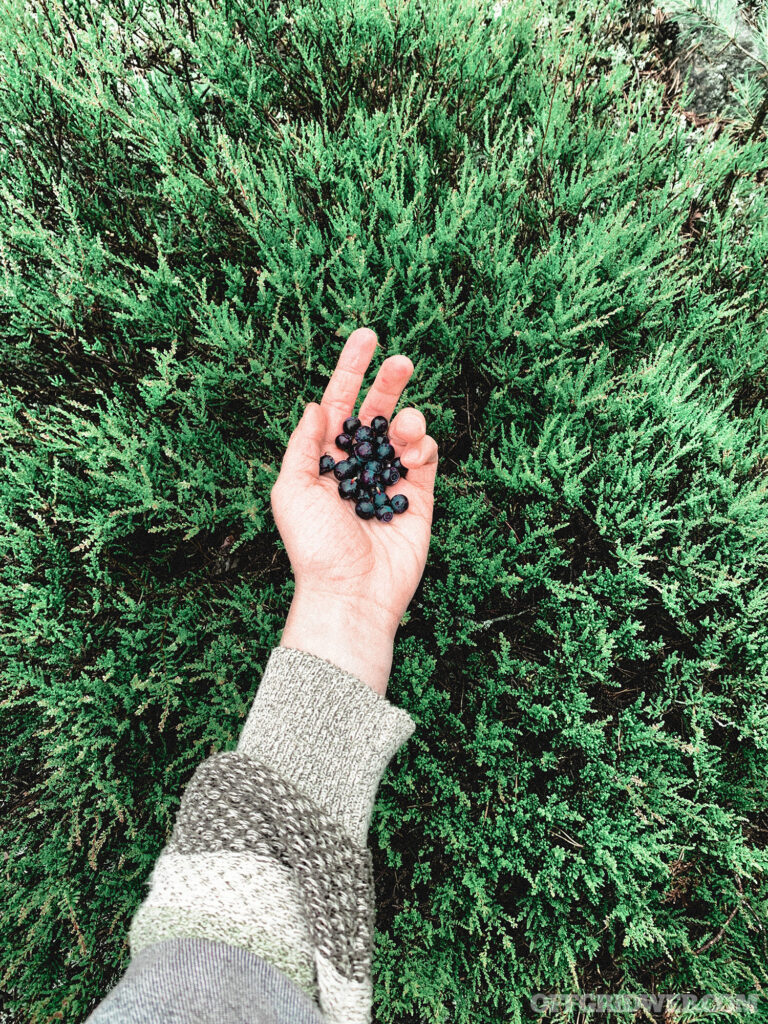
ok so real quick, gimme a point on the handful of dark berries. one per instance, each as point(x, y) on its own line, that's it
point(369, 467)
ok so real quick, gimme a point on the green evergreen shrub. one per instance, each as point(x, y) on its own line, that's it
point(198, 202)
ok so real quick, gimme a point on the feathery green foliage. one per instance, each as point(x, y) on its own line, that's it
point(198, 202)
point(725, 22)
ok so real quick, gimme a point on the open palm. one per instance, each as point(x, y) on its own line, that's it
point(370, 564)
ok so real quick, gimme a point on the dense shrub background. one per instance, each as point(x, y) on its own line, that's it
point(198, 202)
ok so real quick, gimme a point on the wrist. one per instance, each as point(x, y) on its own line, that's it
point(329, 627)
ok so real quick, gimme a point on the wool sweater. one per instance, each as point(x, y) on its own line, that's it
point(260, 907)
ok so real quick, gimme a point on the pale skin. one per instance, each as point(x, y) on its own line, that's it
point(354, 578)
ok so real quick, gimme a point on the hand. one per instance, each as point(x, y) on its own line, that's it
point(354, 577)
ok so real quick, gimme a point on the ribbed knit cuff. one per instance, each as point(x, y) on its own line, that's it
point(327, 732)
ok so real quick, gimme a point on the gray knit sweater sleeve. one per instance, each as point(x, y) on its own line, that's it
point(261, 907)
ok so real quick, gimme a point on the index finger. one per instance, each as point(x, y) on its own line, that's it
point(344, 385)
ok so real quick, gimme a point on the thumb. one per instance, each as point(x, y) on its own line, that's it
point(302, 456)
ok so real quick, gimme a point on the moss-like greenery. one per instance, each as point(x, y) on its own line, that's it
point(198, 203)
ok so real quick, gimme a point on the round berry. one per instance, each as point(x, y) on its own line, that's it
point(364, 434)
point(402, 470)
point(384, 513)
point(385, 452)
point(399, 503)
point(379, 425)
point(380, 498)
point(368, 478)
point(344, 441)
point(326, 463)
point(375, 466)
point(349, 426)
point(348, 488)
point(364, 509)
point(344, 470)
point(364, 450)
point(390, 476)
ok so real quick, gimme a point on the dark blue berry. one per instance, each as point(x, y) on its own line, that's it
point(364, 434)
point(364, 509)
point(348, 488)
point(364, 450)
point(344, 470)
point(369, 467)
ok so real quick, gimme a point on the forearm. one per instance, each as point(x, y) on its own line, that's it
point(359, 643)
point(263, 897)
point(268, 852)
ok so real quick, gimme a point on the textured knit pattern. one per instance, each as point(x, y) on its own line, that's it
point(195, 981)
point(256, 811)
point(333, 745)
point(269, 848)
point(227, 886)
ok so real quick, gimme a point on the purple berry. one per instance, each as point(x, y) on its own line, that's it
point(399, 503)
point(344, 470)
point(364, 450)
point(370, 466)
point(364, 509)
point(348, 488)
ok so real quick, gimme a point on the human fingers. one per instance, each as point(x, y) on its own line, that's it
point(420, 459)
point(407, 428)
point(384, 394)
point(302, 455)
point(344, 384)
